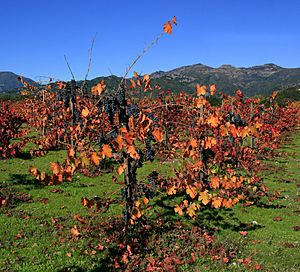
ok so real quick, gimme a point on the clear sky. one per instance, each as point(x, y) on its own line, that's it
point(35, 35)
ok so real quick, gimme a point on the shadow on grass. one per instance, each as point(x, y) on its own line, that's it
point(211, 219)
point(23, 179)
point(24, 156)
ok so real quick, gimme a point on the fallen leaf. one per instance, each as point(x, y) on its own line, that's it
point(75, 232)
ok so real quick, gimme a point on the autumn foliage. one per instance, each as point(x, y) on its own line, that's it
point(218, 147)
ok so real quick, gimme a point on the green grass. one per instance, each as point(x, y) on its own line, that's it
point(29, 241)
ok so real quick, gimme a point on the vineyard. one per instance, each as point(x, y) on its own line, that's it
point(142, 179)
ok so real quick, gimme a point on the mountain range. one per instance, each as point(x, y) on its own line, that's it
point(260, 79)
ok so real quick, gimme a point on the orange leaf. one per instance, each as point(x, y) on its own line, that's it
point(136, 213)
point(178, 210)
point(55, 168)
point(158, 135)
point(118, 142)
point(214, 182)
point(171, 190)
point(71, 153)
point(174, 20)
point(75, 232)
point(107, 151)
point(132, 152)
point(213, 120)
point(99, 88)
point(95, 158)
point(85, 112)
point(200, 101)
point(217, 202)
point(212, 89)
point(145, 200)
point(227, 203)
point(121, 169)
point(135, 74)
point(146, 78)
point(201, 90)
point(133, 83)
point(191, 191)
point(168, 27)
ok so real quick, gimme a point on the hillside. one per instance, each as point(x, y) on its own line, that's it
point(261, 79)
point(9, 81)
point(256, 80)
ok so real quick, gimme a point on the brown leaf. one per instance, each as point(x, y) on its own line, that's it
point(158, 135)
point(277, 218)
point(78, 218)
point(75, 231)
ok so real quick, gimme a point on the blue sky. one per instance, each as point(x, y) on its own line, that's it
point(35, 35)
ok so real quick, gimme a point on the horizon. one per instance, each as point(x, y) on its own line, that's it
point(210, 33)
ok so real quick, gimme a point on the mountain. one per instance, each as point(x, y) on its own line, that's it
point(261, 79)
point(256, 80)
point(9, 81)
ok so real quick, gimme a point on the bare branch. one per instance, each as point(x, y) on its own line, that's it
point(139, 56)
point(89, 66)
point(69, 67)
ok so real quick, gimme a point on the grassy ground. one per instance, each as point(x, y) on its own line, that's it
point(35, 229)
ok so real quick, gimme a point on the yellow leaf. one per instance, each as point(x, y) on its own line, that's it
point(171, 190)
point(191, 191)
point(204, 197)
point(178, 210)
point(191, 210)
point(85, 112)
